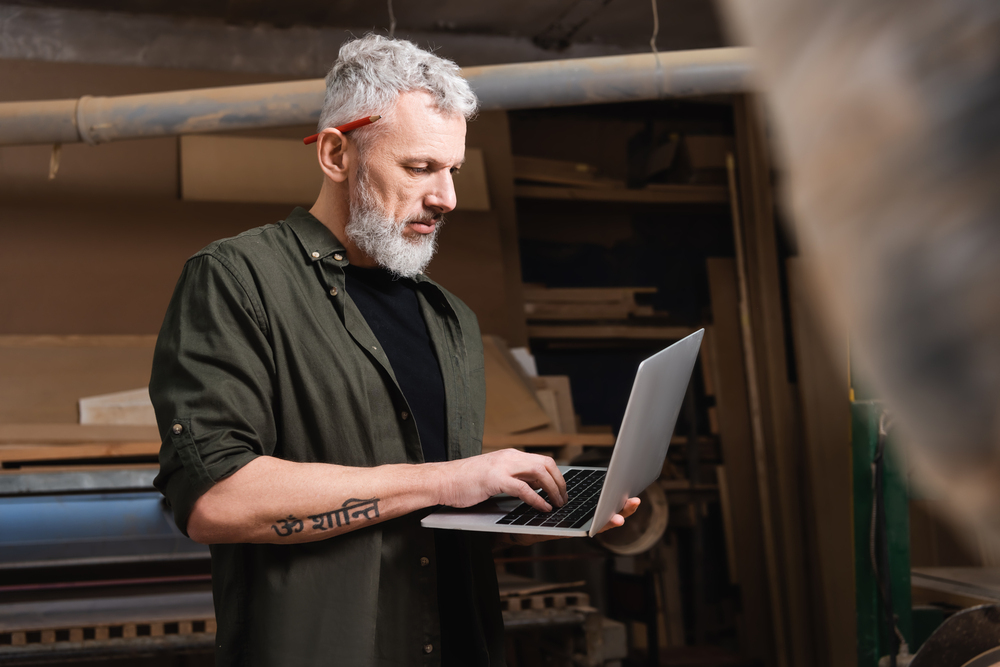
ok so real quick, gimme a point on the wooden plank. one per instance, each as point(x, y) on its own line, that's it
point(548, 439)
point(491, 133)
point(56, 434)
point(975, 585)
point(674, 605)
point(609, 331)
point(727, 524)
point(43, 377)
point(779, 410)
point(674, 194)
point(559, 385)
point(515, 584)
point(15, 453)
point(824, 395)
point(563, 172)
point(755, 624)
point(224, 168)
point(585, 294)
point(547, 399)
point(511, 405)
point(119, 408)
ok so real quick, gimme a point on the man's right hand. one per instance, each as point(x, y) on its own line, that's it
point(516, 473)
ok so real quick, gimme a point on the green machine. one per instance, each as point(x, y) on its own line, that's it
point(881, 537)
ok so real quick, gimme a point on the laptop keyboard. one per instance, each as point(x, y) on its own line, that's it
point(583, 488)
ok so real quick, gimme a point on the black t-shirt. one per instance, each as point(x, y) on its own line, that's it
point(392, 310)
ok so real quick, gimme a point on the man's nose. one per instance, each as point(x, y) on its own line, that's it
point(441, 197)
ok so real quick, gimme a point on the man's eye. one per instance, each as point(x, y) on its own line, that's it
point(418, 170)
point(455, 171)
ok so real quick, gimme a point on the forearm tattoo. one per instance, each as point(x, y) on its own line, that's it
point(353, 508)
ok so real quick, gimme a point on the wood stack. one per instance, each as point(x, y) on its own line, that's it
point(43, 379)
point(530, 412)
point(585, 303)
point(560, 172)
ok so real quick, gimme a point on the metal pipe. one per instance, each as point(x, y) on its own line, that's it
point(631, 78)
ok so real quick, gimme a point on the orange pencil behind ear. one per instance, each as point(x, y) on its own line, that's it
point(347, 127)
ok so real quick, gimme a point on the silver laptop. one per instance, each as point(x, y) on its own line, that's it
point(597, 494)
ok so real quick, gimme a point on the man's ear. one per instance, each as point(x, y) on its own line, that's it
point(331, 150)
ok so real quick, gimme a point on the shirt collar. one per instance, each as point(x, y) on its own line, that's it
point(316, 239)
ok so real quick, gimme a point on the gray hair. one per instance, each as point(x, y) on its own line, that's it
point(371, 73)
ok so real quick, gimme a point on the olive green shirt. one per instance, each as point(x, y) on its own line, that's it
point(262, 352)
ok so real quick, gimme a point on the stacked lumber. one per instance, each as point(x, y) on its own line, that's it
point(561, 172)
point(585, 303)
point(526, 412)
point(29, 446)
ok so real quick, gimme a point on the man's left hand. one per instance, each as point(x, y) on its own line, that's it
point(618, 520)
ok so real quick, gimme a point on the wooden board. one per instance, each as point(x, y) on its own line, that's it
point(826, 414)
point(43, 377)
point(491, 133)
point(14, 455)
point(584, 303)
point(74, 434)
point(120, 408)
point(563, 396)
point(511, 404)
point(778, 409)
point(962, 586)
point(608, 331)
point(228, 168)
point(755, 624)
point(563, 172)
point(673, 194)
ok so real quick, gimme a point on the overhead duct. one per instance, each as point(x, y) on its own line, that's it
point(631, 78)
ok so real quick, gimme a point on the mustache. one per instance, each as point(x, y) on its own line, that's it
point(436, 219)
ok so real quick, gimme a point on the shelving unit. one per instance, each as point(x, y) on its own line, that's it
point(608, 332)
point(659, 194)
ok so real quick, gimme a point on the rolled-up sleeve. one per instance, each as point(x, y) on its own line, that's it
point(211, 382)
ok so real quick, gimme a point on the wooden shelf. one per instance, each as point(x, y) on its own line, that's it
point(609, 331)
point(494, 441)
point(666, 194)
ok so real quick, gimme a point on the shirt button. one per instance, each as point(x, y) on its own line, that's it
point(405, 415)
point(333, 291)
point(337, 256)
point(315, 254)
point(424, 561)
point(177, 429)
point(428, 648)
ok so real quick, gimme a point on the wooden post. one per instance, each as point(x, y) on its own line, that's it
point(822, 362)
point(779, 410)
point(756, 622)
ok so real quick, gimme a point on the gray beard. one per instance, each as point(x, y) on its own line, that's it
point(381, 237)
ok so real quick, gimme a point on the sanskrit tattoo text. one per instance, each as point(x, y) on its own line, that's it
point(353, 508)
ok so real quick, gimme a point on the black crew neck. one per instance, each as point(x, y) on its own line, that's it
point(391, 308)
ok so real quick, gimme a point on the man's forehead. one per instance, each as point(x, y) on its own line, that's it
point(418, 129)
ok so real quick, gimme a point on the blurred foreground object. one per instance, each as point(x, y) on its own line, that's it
point(887, 122)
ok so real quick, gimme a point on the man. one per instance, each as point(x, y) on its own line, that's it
point(316, 394)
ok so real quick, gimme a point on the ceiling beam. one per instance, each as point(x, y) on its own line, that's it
point(144, 40)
